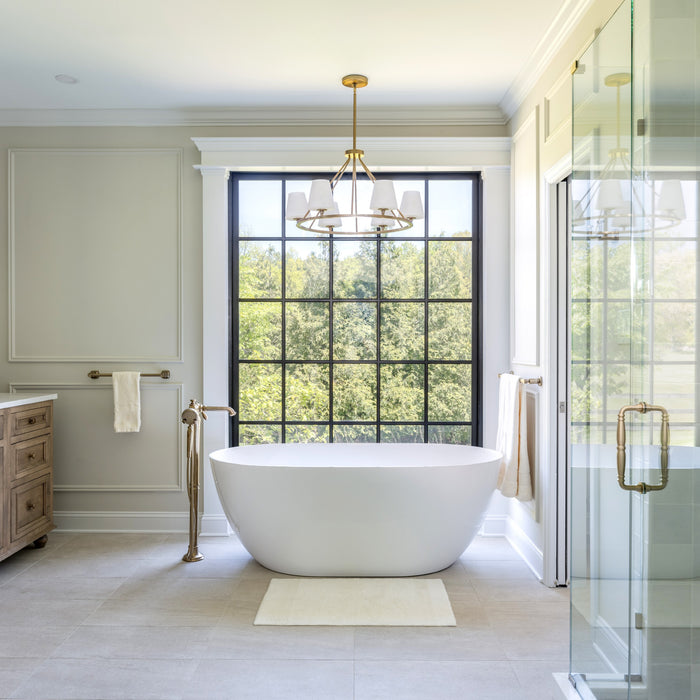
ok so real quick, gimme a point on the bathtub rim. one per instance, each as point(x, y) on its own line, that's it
point(419, 454)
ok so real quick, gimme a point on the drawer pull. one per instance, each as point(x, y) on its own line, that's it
point(31, 505)
point(31, 420)
point(31, 456)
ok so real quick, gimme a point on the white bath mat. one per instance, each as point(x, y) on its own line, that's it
point(356, 601)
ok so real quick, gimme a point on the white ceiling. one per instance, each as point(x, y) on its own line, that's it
point(270, 54)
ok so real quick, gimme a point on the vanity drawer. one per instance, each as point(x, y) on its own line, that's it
point(30, 508)
point(30, 456)
point(26, 420)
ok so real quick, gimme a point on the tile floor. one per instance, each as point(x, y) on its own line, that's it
point(110, 616)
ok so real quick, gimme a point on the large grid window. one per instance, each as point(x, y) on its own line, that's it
point(341, 338)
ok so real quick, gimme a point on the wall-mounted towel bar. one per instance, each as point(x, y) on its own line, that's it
point(531, 380)
point(96, 374)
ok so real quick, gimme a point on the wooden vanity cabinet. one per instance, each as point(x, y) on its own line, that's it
point(26, 470)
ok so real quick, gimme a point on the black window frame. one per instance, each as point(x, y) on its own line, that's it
point(475, 422)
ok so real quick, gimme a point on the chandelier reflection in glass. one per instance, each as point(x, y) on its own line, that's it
point(321, 214)
point(620, 201)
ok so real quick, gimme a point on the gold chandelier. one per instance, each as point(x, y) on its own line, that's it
point(320, 214)
point(607, 211)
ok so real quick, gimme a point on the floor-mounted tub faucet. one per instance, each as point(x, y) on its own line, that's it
point(192, 416)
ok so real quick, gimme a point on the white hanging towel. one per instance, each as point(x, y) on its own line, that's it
point(127, 402)
point(511, 439)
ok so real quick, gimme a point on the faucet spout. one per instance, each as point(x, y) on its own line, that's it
point(219, 408)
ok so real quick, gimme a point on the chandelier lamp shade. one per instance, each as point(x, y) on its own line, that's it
point(321, 213)
point(620, 201)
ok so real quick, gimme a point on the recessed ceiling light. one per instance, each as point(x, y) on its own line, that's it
point(67, 79)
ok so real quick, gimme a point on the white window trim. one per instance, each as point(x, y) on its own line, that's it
point(220, 156)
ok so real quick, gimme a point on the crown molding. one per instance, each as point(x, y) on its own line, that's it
point(246, 116)
point(554, 39)
point(228, 144)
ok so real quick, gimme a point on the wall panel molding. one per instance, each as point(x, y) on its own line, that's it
point(78, 219)
point(525, 296)
point(122, 440)
point(533, 408)
point(557, 107)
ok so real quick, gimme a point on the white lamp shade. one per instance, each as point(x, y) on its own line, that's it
point(376, 223)
point(412, 205)
point(320, 196)
point(671, 200)
point(609, 195)
point(336, 221)
point(297, 206)
point(383, 195)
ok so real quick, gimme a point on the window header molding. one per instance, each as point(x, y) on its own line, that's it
point(304, 153)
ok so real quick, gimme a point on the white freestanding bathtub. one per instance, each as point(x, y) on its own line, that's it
point(355, 509)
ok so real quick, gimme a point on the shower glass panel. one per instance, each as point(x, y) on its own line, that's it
point(635, 506)
point(603, 361)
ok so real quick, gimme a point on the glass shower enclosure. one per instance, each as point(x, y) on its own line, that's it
point(635, 353)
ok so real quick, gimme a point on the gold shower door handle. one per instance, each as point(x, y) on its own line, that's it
point(642, 487)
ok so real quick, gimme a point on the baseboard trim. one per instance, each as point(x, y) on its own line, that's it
point(215, 526)
point(494, 526)
point(531, 554)
point(125, 521)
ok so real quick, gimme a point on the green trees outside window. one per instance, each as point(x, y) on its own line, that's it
point(354, 339)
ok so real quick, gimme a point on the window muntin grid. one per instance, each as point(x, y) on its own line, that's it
point(371, 338)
